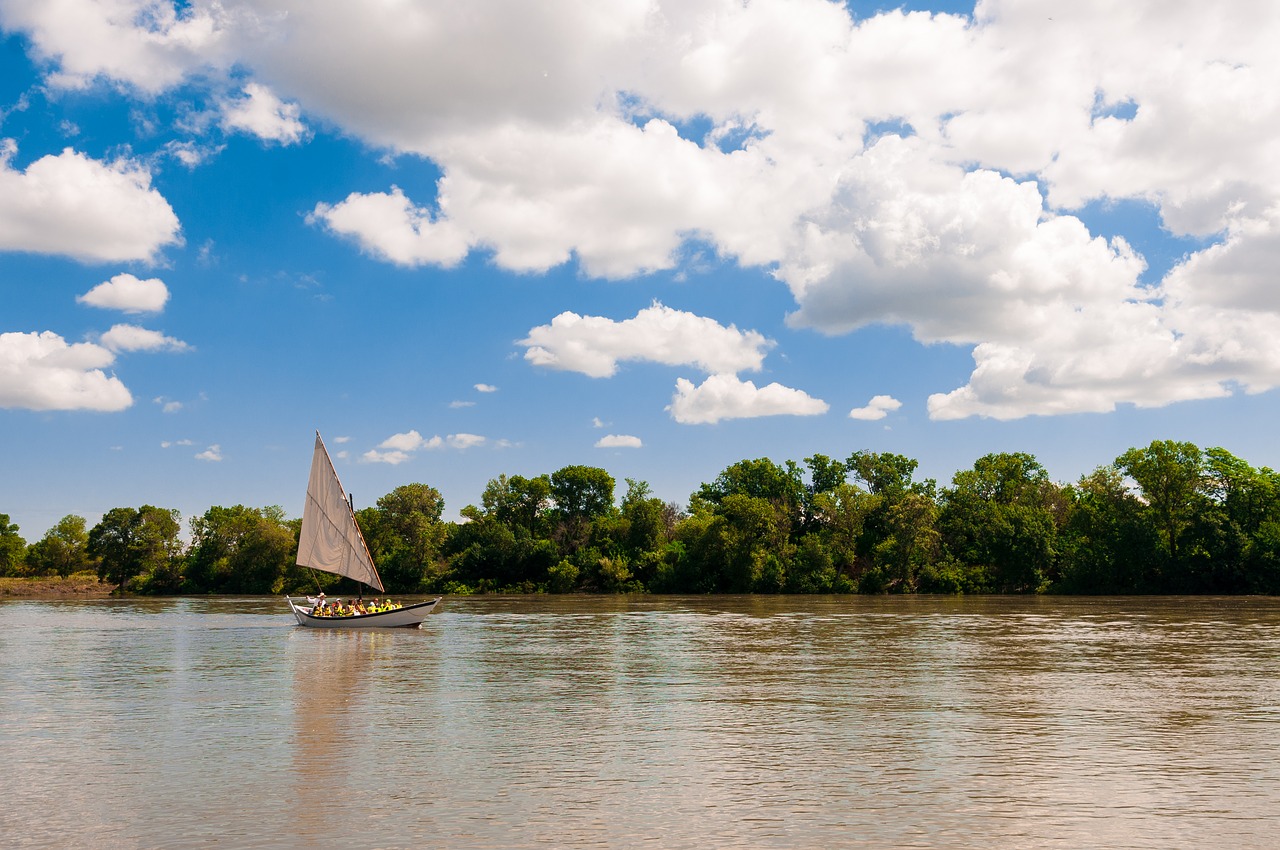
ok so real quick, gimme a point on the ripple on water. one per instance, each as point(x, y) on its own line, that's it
point(624, 722)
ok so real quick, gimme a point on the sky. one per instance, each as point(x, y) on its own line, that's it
point(470, 239)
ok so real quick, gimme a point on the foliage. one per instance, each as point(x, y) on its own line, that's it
point(12, 548)
point(130, 542)
point(240, 550)
point(1167, 518)
point(62, 551)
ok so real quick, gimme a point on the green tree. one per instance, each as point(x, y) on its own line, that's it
point(1169, 475)
point(887, 474)
point(131, 542)
point(1001, 516)
point(1107, 543)
point(519, 501)
point(411, 536)
point(63, 550)
point(733, 548)
point(1232, 533)
point(759, 479)
point(240, 550)
point(840, 518)
point(485, 554)
point(12, 548)
point(581, 494)
point(646, 521)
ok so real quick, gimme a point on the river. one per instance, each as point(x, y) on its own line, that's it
point(658, 722)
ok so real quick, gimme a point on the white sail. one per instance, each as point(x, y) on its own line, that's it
point(331, 540)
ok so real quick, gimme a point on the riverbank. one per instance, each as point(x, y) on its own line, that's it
point(53, 587)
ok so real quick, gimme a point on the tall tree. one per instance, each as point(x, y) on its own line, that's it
point(1169, 475)
point(519, 501)
point(1108, 544)
point(411, 533)
point(12, 547)
point(239, 550)
point(581, 493)
point(1002, 516)
point(63, 550)
point(130, 542)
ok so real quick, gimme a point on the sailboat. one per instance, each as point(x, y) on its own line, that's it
point(331, 542)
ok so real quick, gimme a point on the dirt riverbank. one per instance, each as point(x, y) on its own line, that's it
point(53, 587)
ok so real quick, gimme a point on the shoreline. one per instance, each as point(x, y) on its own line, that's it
point(53, 587)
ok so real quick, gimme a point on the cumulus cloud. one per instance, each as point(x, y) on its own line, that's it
point(138, 42)
point(399, 448)
point(903, 168)
point(878, 408)
point(618, 441)
point(486, 388)
point(41, 371)
point(134, 338)
point(389, 226)
point(260, 113)
point(593, 345)
point(728, 397)
point(129, 294)
point(76, 206)
point(392, 456)
point(410, 441)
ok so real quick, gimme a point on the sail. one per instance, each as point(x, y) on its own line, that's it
point(330, 540)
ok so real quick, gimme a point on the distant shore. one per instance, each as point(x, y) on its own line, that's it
point(53, 587)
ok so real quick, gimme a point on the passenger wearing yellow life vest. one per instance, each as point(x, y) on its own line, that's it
point(353, 608)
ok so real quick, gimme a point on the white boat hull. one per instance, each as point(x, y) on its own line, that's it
point(408, 617)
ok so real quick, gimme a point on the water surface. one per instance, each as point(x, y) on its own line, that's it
point(535, 722)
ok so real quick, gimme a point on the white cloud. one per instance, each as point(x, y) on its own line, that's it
point(212, 454)
point(597, 422)
point(260, 113)
point(169, 443)
point(134, 338)
point(878, 408)
point(393, 457)
point(390, 227)
point(191, 154)
point(458, 405)
point(40, 371)
point(168, 406)
point(618, 441)
point(722, 397)
point(486, 388)
point(399, 448)
point(76, 206)
point(129, 294)
point(409, 441)
point(139, 42)
point(593, 345)
point(865, 162)
point(342, 439)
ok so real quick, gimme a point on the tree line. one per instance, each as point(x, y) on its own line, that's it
point(1168, 518)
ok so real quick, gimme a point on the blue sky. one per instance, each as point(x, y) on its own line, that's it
point(772, 229)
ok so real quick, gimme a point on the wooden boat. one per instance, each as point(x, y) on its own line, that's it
point(331, 542)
